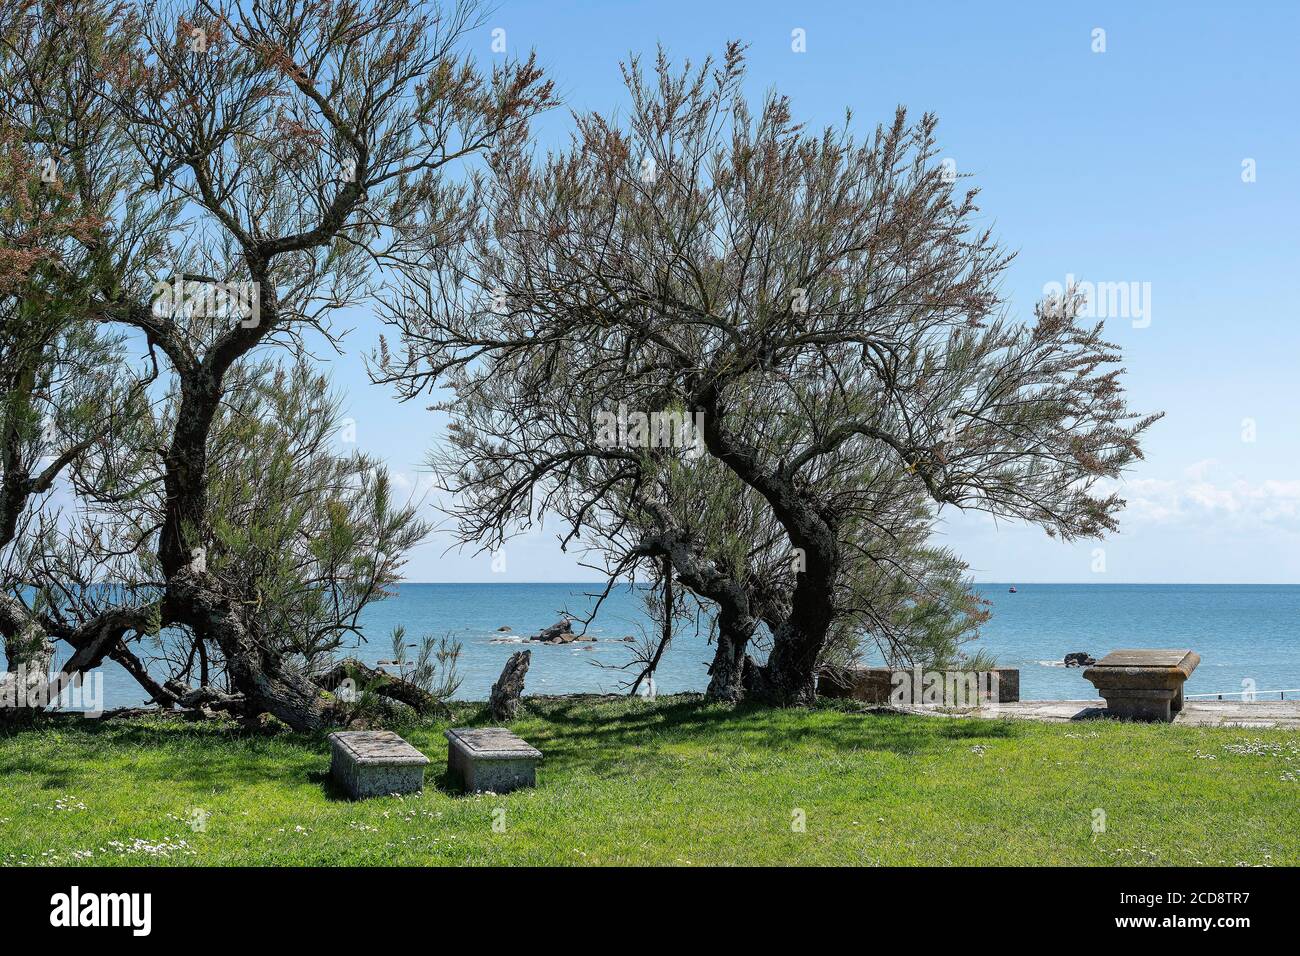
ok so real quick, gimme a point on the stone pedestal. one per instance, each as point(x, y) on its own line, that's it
point(1143, 684)
point(491, 758)
point(375, 763)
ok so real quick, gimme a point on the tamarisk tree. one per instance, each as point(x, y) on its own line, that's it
point(244, 171)
point(821, 307)
point(66, 393)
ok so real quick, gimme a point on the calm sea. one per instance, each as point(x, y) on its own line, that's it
point(1241, 632)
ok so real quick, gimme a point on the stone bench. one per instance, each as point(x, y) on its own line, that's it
point(375, 763)
point(491, 758)
point(1143, 685)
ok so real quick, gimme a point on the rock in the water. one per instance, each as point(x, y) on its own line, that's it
point(1079, 659)
point(504, 698)
point(503, 628)
point(561, 632)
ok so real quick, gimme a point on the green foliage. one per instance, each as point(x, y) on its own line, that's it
point(305, 532)
point(434, 668)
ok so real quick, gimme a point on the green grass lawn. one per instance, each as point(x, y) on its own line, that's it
point(675, 781)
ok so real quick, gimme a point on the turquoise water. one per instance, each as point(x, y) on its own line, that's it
point(1240, 631)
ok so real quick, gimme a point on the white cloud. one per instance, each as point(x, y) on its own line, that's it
point(418, 484)
point(1203, 496)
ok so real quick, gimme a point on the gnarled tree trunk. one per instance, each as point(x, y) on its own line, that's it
point(726, 673)
point(736, 621)
point(28, 653)
point(788, 679)
point(194, 600)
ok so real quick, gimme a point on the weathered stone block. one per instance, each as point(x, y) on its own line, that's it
point(491, 759)
point(1143, 684)
point(375, 763)
point(876, 685)
point(871, 685)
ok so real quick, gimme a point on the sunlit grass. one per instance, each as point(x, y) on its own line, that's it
point(675, 781)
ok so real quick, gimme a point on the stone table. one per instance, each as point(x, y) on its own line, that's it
point(375, 763)
point(1143, 684)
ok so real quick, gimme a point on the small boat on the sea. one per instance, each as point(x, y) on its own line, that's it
point(1012, 589)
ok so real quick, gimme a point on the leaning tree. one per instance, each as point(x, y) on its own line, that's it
point(823, 305)
point(242, 172)
point(522, 450)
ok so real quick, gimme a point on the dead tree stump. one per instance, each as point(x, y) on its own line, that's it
point(504, 699)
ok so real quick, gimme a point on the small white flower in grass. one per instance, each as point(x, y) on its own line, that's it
point(143, 847)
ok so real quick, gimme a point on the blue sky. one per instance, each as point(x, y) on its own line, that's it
point(1117, 166)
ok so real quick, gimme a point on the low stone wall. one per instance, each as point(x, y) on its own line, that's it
point(884, 685)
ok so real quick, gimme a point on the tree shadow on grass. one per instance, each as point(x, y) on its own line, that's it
point(601, 736)
point(594, 734)
point(212, 759)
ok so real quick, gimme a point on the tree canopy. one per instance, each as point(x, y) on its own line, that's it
point(826, 311)
point(200, 187)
